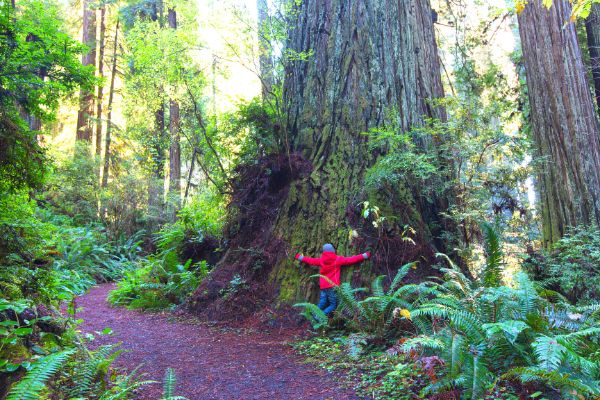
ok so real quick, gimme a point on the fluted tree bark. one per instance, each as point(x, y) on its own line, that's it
point(371, 61)
point(562, 118)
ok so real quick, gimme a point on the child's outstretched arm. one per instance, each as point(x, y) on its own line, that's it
point(355, 259)
point(308, 260)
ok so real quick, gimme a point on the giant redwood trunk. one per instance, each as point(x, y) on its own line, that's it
point(367, 62)
point(370, 59)
point(563, 121)
point(86, 98)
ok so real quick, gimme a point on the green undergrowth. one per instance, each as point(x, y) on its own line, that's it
point(572, 266)
point(474, 338)
point(163, 279)
point(46, 260)
point(373, 374)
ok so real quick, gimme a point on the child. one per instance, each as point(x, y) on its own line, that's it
point(330, 267)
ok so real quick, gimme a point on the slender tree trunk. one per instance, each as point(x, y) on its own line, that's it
point(174, 150)
point(563, 120)
point(592, 26)
point(369, 61)
point(100, 87)
point(156, 184)
point(111, 94)
point(264, 48)
point(174, 159)
point(33, 122)
point(86, 98)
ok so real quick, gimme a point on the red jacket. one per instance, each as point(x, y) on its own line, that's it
point(330, 266)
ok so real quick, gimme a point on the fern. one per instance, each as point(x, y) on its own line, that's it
point(402, 271)
point(30, 387)
point(377, 286)
point(317, 318)
point(124, 386)
point(549, 352)
point(95, 365)
point(422, 342)
point(528, 296)
point(347, 300)
point(552, 378)
point(169, 384)
point(491, 276)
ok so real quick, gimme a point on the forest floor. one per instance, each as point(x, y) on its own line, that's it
point(210, 362)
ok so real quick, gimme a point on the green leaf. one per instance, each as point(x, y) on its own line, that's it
point(23, 331)
point(106, 331)
point(511, 329)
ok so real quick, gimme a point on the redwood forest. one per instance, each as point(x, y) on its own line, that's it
point(299, 199)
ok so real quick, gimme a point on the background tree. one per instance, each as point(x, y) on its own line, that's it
point(101, 44)
point(592, 27)
point(563, 119)
point(24, 91)
point(86, 97)
point(111, 94)
point(174, 148)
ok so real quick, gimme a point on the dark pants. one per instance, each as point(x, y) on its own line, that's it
point(328, 300)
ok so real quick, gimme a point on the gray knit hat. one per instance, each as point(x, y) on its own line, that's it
point(328, 247)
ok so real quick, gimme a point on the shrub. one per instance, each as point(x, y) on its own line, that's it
point(571, 267)
point(158, 283)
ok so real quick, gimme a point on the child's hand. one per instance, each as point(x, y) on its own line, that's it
point(366, 255)
point(299, 257)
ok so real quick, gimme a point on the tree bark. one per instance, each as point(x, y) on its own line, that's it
point(592, 27)
point(368, 62)
point(562, 119)
point(111, 94)
point(175, 149)
point(100, 87)
point(86, 98)
point(370, 59)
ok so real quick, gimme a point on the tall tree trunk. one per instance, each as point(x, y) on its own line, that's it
point(111, 93)
point(367, 60)
point(156, 184)
point(86, 98)
point(562, 117)
point(592, 27)
point(264, 48)
point(33, 122)
point(174, 150)
point(100, 87)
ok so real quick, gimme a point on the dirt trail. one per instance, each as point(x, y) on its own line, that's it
point(208, 364)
